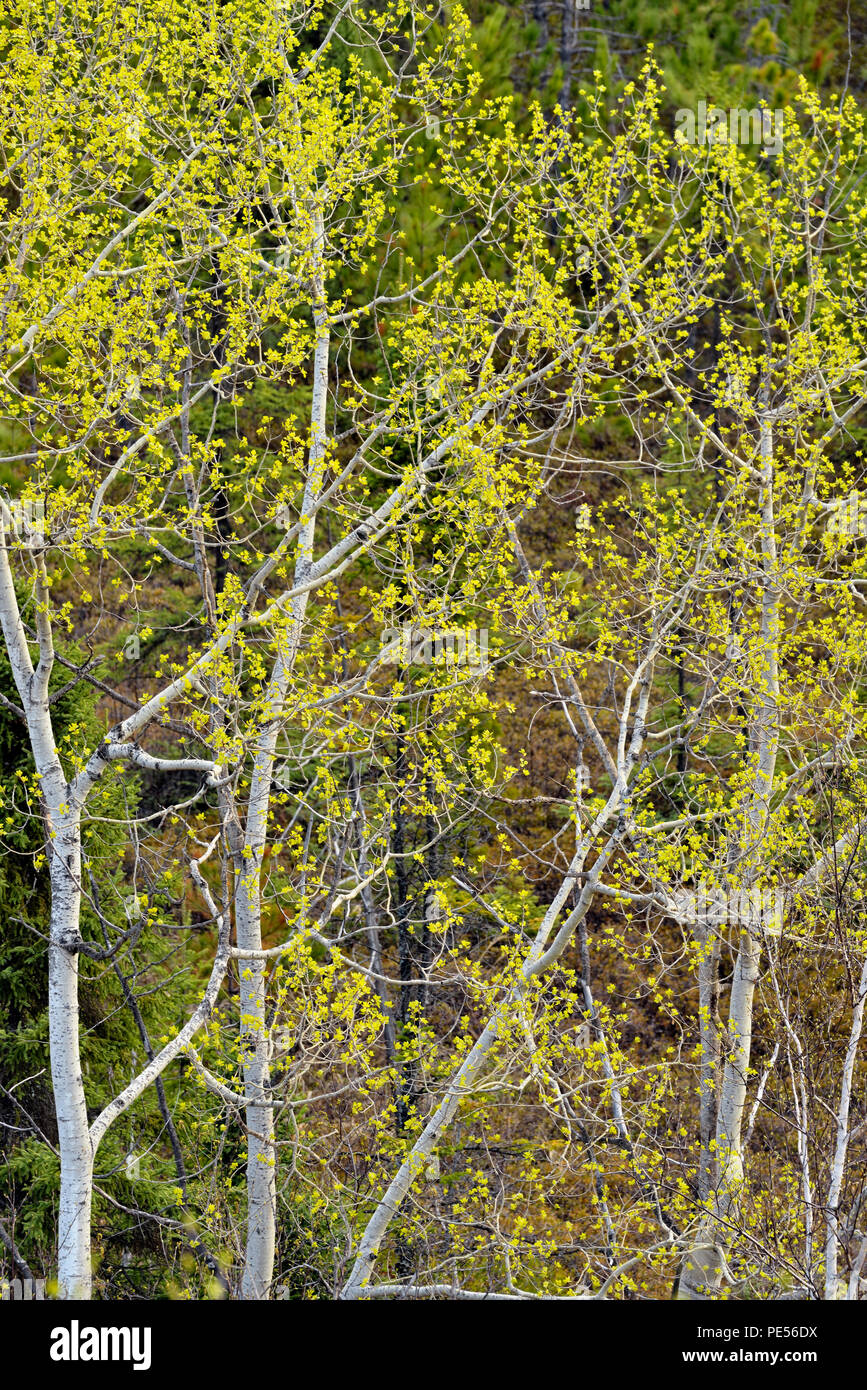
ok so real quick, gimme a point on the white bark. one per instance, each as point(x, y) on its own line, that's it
point(261, 1149)
point(838, 1166)
point(702, 1270)
point(63, 847)
point(855, 1276)
point(62, 808)
point(76, 1152)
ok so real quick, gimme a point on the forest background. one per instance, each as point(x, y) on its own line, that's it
point(433, 523)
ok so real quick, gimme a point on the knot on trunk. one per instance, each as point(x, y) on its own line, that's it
point(70, 942)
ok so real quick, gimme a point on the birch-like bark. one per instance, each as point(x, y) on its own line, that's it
point(261, 1148)
point(703, 1266)
point(855, 1276)
point(62, 806)
point(63, 848)
point(832, 1241)
point(76, 1153)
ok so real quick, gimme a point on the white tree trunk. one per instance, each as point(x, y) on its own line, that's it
point(261, 1152)
point(258, 1272)
point(838, 1165)
point(76, 1151)
point(703, 1266)
point(61, 808)
point(62, 829)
